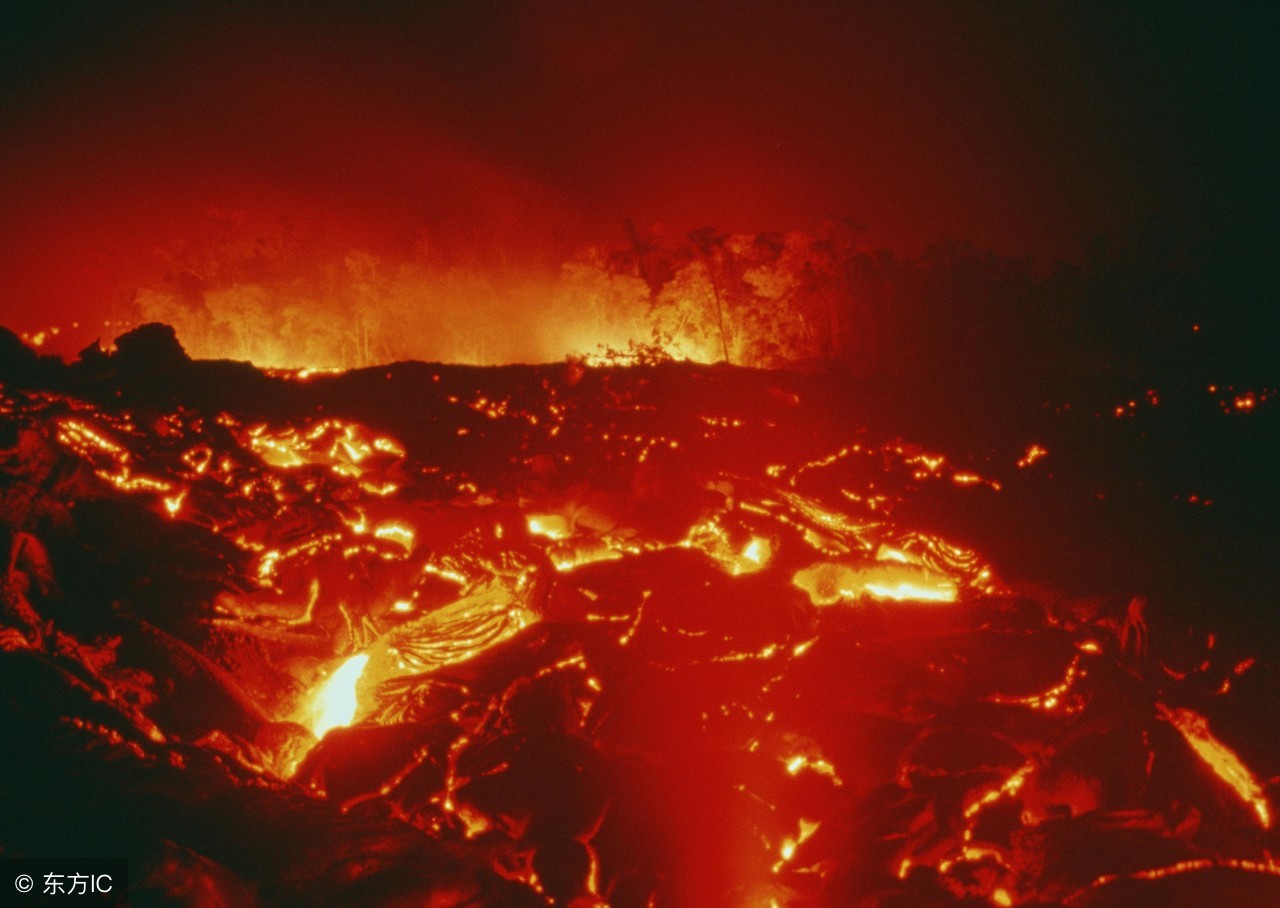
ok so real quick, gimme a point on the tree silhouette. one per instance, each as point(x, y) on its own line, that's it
point(710, 249)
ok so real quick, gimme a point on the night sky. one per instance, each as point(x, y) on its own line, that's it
point(533, 128)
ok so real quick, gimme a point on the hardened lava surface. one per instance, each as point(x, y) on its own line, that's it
point(557, 635)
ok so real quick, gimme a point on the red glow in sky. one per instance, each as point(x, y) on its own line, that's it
point(517, 133)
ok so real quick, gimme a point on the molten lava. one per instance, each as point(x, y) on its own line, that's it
point(591, 637)
point(335, 702)
point(1222, 760)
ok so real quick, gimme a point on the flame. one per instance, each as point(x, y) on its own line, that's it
point(335, 703)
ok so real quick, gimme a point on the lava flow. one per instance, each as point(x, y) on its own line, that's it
point(558, 635)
